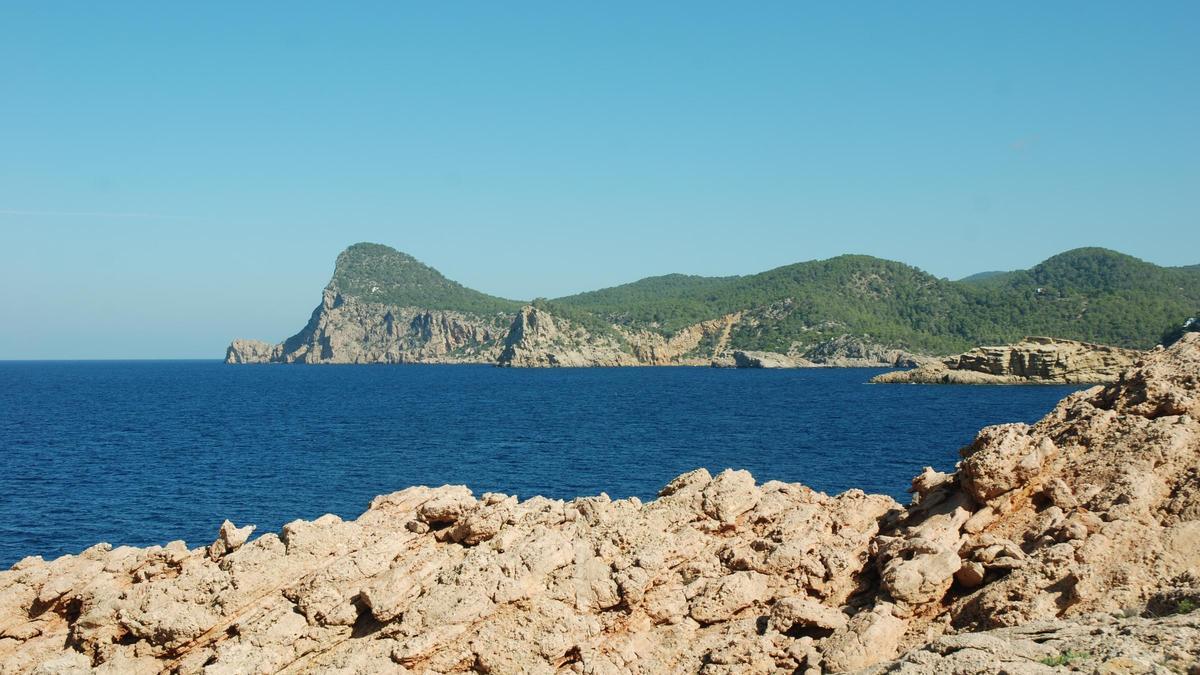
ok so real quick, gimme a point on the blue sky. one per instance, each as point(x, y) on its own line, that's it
point(173, 175)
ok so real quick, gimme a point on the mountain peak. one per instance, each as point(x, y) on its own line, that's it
point(379, 273)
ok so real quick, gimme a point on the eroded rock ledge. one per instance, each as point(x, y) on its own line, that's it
point(1034, 360)
point(1076, 539)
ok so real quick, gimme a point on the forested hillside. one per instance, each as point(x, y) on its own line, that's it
point(1090, 294)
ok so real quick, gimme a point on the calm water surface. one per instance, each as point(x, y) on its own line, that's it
point(145, 452)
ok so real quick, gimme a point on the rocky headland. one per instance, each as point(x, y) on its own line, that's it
point(383, 306)
point(1071, 542)
point(1034, 360)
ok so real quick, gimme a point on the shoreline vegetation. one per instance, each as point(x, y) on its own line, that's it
point(1075, 540)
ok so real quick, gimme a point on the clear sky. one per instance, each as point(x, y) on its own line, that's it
point(173, 175)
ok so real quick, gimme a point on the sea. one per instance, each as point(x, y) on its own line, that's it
point(146, 452)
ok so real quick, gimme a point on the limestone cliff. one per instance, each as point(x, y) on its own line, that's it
point(1033, 360)
point(853, 351)
point(348, 330)
point(754, 359)
point(536, 339)
point(253, 351)
point(695, 345)
point(844, 351)
point(1074, 540)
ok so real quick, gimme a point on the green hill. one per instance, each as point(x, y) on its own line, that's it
point(1089, 294)
point(378, 273)
point(980, 277)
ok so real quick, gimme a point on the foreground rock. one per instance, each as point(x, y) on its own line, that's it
point(1098, 643)
point(1072, 541)
point(1034, 360)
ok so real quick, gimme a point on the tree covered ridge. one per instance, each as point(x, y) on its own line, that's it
point(378, 273)
point(1091, 294)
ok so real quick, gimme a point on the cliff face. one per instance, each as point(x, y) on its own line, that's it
point(695, 345)
point(537, 339)
point(1033, 360)
point(1077, 537)
point(856, 352)
point(253, 351)
point(348, 330)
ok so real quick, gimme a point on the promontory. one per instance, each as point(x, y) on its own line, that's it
point(384, 306)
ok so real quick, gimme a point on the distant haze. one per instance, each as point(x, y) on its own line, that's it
point(175, 176)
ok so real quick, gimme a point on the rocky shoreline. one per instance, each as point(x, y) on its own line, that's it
point(1071, 542)
point(1034, 360)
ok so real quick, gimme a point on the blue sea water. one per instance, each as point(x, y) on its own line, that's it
point(145, 452)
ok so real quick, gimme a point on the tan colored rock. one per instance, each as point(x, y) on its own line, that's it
point(720, 599)
point(729, 495)
point(1098, 643)
point(697, 345)
point(869, 637)
point(753, 359)
point(537, 339)
point(803, 615)
point(1003, 458)
point(1037, 360)
point(352, 330)
point(253, 351)
point(229, 539)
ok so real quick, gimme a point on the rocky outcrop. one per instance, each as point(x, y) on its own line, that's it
point(754, 359)
point(1105, 644)
point(695, 345)
point(845, 351)
point(349, 330)
point(383, 306)
point(1073, 540)
point(437, 580)
point(853, 351)
point(1034, 360)
point(253, 351)
point(536, 339)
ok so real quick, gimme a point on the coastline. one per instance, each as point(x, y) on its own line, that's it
point(1054, 525)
